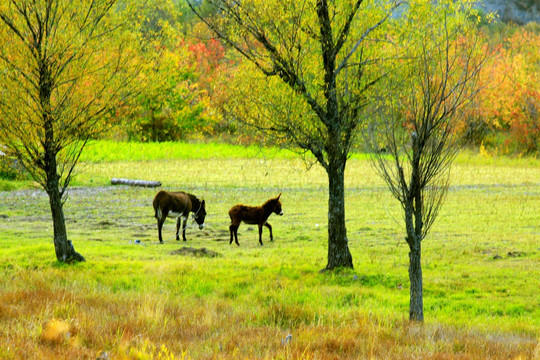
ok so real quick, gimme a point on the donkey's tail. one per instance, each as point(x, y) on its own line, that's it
point(158, 214)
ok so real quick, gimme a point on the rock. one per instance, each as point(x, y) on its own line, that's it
point(497, 257)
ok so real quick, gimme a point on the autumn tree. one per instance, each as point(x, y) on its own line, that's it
point(63, 65)
point(172, 101)
point(318, 54)
point(509, 102)
point(417, 120)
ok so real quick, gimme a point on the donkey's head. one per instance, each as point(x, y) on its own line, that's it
point(200, 215)
point(277, 207)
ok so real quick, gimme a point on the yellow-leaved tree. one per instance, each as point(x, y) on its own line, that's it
point(63, 65)
point(309, 70)
point(417, 116)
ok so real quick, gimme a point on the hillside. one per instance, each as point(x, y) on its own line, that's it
point(518, 11)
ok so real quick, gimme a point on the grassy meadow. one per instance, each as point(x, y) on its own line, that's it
point(139, 300)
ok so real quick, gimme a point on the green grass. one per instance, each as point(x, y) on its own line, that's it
point(138, 301)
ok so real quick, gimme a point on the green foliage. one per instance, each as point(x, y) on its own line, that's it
point(166, 92)
point(275, 96)
point(10, 169)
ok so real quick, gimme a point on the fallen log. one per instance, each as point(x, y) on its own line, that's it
point(143, 183)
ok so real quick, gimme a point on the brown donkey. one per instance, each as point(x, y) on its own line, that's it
point(253, 215)
point(178, 205)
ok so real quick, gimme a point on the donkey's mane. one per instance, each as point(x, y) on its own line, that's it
point(191, 196)
point(194, 200)
point(268, 202)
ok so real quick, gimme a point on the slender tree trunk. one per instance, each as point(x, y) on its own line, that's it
point(62, 246)
point(416, 306)
point(414, 234)
point(338, 247)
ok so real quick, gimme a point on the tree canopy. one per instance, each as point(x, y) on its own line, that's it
point(62, 71)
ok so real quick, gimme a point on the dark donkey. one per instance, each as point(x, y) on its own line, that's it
point(178, 205)
point(254, 215)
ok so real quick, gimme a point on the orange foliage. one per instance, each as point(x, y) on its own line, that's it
point(510, 100)
point(214, 67)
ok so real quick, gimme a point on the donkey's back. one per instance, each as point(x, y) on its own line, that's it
point(175, 202)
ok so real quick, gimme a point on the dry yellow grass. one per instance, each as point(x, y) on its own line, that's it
point(147, 327)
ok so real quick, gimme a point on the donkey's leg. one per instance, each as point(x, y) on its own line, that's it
point(184, 225)
point(178, 223)
point(231, 230)
point(236, 235)
point(160, 226)
point(160, 216)
point(269, 228)
point(234, 232)
point(260, 234)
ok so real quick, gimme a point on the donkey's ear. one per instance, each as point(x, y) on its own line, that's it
point(203, 203)
point(279, 196)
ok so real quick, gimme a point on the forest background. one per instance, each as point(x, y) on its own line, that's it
point(187, 77)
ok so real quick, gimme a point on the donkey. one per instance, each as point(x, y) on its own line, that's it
point(178, 205)
point(253, 215)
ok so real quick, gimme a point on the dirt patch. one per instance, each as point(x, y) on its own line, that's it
point(189, 251)
point(219, 235)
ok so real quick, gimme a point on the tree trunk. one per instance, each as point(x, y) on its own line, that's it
point(416, 306)
point(62, 246)
point(338, 247)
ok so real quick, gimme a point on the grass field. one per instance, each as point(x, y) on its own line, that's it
point(136, 300)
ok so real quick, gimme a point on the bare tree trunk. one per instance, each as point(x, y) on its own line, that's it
point(338, 247)
point(416, 306)
point(62, 246)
